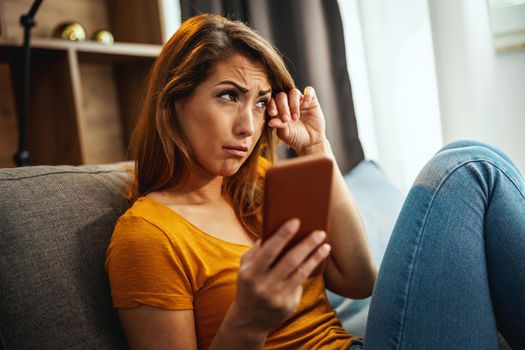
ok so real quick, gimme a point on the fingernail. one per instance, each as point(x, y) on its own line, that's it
point(294, 224)
point(325, 249)
point(294, 116)
point(319, 236)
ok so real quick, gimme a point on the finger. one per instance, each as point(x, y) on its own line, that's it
point(308, 97)
point(298, 254)
point(250, 254)
point(281, 101)
point(271, 249)
point(303, 272)
point(276, 123)
point(294, 99)
point(272, 108)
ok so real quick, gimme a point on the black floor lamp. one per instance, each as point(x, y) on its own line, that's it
point(21, 157)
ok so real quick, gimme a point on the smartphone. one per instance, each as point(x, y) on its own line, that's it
point(298, 188)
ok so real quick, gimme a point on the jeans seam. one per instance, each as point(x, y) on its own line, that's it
point(420, 236)
point(511, 180)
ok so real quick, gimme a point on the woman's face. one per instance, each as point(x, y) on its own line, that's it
point(225, 116)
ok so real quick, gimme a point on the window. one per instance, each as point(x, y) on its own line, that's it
point(508, 24)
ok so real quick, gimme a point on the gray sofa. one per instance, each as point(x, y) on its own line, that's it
point(55, 225)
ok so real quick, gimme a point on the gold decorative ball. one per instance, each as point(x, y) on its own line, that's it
point(70, 31)
point(104, 37)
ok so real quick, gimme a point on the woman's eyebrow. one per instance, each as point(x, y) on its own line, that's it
point(242, 88)
point(264, 92)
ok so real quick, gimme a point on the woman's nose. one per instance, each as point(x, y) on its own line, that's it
point(245, 125)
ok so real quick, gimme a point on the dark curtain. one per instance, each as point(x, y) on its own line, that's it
point(309, 33)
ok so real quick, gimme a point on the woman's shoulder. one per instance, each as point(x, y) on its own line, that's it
point(141, 210)
point(147, 216)
point(146, 228)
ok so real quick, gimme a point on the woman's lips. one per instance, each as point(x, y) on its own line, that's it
point(236, 151)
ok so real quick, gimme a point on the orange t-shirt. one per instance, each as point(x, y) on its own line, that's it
point(158, 258)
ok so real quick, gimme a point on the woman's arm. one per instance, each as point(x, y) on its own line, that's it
point(233, 334)
point(300, 123)
point(350, 270)
point(148, 327)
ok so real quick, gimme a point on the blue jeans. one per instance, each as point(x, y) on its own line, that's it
point(454, 271)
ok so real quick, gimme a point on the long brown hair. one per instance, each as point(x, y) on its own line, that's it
point(162, 157)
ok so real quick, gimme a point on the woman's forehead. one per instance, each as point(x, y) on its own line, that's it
point(242, 70)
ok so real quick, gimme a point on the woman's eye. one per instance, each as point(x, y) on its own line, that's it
point(262, 103)
point(228, 95)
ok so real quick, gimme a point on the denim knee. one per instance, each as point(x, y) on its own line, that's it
point(499, 154)
point(459, 153)
point(463, 143)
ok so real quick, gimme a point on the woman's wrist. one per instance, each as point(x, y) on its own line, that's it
point(234, 327)
point(322, 148)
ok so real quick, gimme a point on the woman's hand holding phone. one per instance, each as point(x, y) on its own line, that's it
point(269, 290)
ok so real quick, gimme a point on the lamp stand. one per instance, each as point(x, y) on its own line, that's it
point(21, 157)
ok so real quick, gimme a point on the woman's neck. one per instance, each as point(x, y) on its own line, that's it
point(196, 190)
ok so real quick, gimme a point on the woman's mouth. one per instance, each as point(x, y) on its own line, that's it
point(239, 151)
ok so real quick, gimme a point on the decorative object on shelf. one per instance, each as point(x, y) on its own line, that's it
point(27, 20)
point(73, 31)
point(103, 36)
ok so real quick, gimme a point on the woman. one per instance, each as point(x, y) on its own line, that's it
point(201, 147)
point(185, 263)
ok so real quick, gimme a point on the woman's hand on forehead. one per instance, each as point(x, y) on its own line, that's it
point(298, 118)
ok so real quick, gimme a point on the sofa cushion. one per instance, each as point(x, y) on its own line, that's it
point(379, 203)
point(56, 222)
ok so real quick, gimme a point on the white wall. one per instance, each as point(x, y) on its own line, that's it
point(391, 67)
point(481, 92)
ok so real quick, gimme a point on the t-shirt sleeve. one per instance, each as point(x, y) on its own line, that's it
point(145, 268)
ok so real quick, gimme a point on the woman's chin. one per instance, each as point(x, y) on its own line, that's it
point(229, 171)
point(230, 168)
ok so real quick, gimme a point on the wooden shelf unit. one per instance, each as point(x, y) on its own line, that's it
point(116, 51)
point(84, 96)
